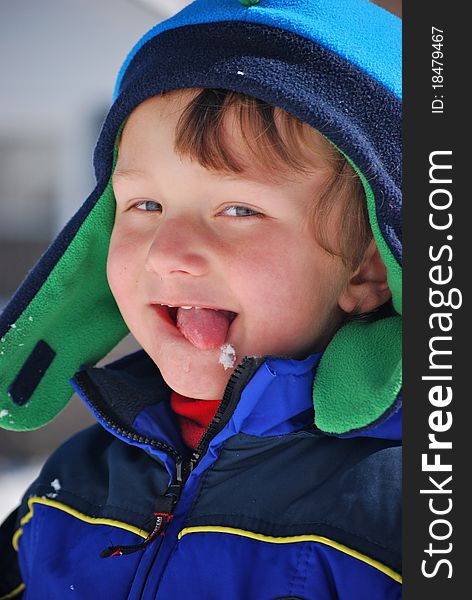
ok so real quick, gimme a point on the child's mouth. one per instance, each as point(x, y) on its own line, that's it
point(205, 328)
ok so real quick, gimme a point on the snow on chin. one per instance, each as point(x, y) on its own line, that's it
point(227, 356)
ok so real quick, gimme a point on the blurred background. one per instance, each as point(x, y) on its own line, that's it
point(59, 61)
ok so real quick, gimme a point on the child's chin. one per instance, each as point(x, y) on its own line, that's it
point(207, 383)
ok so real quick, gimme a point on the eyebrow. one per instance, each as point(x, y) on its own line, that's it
point(129, 174)
point(264, 179)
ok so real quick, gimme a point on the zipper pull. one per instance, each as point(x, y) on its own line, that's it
point(160, 525)
point(161, 522)
point(175, 488)
point(193, 461)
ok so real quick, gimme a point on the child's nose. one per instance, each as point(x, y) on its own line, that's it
point(179, 246)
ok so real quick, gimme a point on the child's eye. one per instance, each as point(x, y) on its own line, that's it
point(147, 206)
point(241, 211)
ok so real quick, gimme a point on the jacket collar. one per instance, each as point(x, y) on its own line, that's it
point(131, 400)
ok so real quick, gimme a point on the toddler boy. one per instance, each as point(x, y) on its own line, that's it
point(238, 252)
point(249, 192)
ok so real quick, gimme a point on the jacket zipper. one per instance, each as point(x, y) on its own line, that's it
point(166, 504)
point(238, 380)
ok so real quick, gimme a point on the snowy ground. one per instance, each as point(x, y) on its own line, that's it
point(14, 480)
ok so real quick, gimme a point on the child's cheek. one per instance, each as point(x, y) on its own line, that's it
point(272, 267)
point(119, 263)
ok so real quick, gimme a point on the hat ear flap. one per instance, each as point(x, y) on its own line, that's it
point(66, 317)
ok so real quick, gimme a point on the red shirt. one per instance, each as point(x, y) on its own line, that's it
point(194, 416)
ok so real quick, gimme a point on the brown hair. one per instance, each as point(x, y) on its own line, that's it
point(278, 143)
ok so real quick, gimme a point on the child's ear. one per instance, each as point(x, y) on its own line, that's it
point(367, 287)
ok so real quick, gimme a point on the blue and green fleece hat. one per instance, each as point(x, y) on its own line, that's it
point(335, 64)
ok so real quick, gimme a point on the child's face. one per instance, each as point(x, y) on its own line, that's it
point(179, 240)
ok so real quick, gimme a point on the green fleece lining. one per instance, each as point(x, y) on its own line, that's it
point(353, 389)
point(74, 312)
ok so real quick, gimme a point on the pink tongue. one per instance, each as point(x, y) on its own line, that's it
point(203, 327)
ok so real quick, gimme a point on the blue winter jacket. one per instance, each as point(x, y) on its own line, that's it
point(267, 506)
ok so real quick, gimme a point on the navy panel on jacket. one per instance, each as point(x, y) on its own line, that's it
point(99, 476)
point(346, 490)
